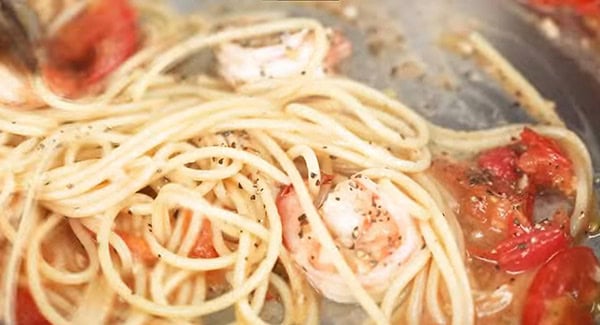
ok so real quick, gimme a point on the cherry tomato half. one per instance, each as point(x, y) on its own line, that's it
point(564, 289)
point(27, 311)
point(545, 163)
point(92, 45)
point(531, 249)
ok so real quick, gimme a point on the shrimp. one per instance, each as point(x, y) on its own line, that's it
point(278, 57)
point(374, 233)
point(15, 85)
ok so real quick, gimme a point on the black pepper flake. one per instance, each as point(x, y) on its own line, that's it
point(302, 219)
point(221, 161)
point(303, 72)
point(252, 197)
point(318, 182)
point(240, 186)
point(69, 186)
point(159, 256)
point(423, 246)
point(337, 198)
point(313, 175)
point(522, 246)
point(355, 233)
point(255, 245)
point(324, 147)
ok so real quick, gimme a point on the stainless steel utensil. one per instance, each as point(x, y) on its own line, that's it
point(18, 31)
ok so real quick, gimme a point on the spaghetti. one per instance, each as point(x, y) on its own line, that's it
point(107, 201)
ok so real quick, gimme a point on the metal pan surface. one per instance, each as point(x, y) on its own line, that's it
point(397, 49)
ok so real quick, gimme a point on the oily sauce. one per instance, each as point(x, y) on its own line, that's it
point(511, 242)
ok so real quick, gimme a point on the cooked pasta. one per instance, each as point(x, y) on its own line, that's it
point(165, 199)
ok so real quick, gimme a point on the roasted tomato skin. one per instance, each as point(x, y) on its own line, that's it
point(529, 250)
point(564, 289)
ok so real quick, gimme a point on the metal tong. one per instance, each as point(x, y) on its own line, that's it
point(19, 32)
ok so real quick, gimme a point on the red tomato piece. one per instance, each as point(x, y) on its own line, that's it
point(582, 7)
point(27, 311)
point(487, 208)
point(529, 250)
point(501, 163)
point(138, 247)
point(91, 46)
point(564, 289)
point(544, 162)
point(203, 248)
